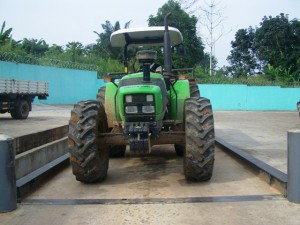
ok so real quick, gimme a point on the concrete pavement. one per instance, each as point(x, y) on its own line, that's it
point(42, 117)
point(152, 190)
point(235, 194)
point(262, 134)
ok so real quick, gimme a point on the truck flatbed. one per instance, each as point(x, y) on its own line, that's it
point(12, 86)
point(16, 96)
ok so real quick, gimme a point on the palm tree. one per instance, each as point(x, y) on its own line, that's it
point(103, 41)
point(74, 49)
point(5, 35)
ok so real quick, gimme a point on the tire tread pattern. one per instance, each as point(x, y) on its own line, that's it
point(195, 93)
point(89, 160)
point(200, 139)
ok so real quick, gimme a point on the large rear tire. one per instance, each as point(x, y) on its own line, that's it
point(101, 95)
point(89, 159)
point(114, 151)
point(198, 161)
point(194, 92)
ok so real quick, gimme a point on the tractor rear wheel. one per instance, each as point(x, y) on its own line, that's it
point(114, 151)
point(101, 95)
point(199, 153)
point(89, 159)
point(194, 92)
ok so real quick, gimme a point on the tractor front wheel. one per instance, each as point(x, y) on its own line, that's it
point(89, 159)
point(198, 160)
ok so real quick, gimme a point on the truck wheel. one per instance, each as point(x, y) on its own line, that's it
point(199, 152)
point(194, 92)
point(89, 159)
point(21, 110)
point(114, 151)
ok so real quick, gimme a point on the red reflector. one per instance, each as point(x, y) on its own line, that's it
point(192, 81)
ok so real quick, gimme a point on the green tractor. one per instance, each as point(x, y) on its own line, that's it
point(151, 106)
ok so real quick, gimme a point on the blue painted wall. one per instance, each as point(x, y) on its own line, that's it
point(243, 97)
point(67, 86)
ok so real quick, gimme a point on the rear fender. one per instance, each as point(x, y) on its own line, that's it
point(110, 107)
point(178, 93)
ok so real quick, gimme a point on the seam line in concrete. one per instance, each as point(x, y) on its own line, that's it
point(213, 199)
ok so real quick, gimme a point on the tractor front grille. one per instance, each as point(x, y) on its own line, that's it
point(139, 107)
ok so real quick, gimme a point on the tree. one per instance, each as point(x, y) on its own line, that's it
point(75, 49)
point(103, 42)
point(54, 51)
point(5, 37)
point(273, 48)
point(205, 63)
point(211, 19)
point(277, 41)
point(242, 55)
point(34, 47)
point(187, 25)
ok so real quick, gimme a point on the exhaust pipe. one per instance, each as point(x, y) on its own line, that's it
point(167, 46)
point(146, 57)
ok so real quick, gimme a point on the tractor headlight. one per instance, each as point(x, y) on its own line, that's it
point(149, 98)
point(128, 98)
point(148, 109)
point(131, 109)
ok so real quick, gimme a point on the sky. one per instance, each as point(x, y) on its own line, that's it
point(62, 21)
